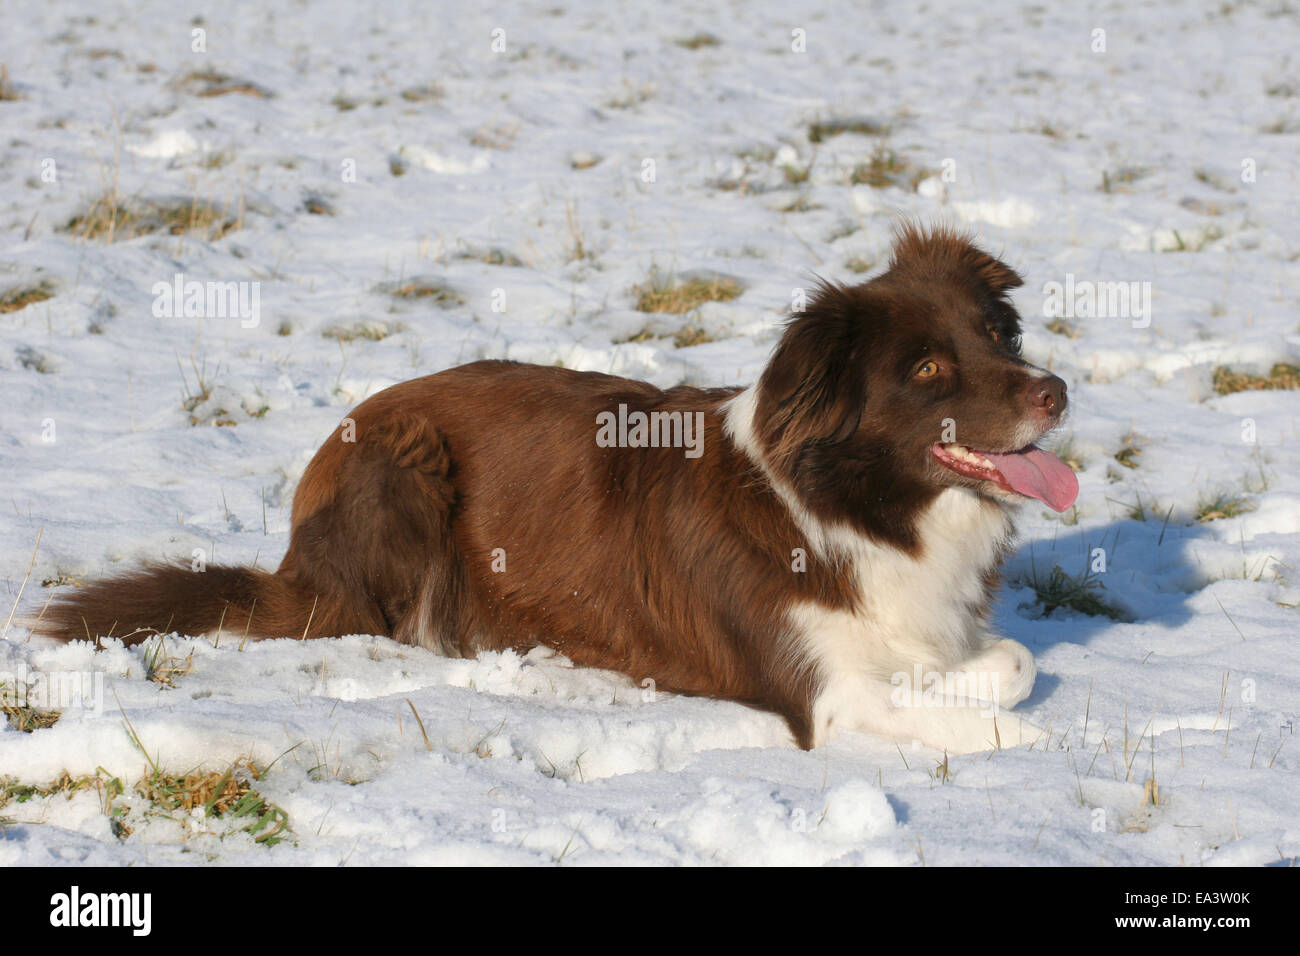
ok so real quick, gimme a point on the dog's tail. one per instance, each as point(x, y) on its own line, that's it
point(160, 599)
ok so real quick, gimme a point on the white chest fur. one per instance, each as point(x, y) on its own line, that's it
point(911, 609)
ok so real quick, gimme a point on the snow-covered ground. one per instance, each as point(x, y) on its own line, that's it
point(562, 169)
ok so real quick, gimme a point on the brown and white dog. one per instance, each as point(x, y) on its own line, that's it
point(805, 545)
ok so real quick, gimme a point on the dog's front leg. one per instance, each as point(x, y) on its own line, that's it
point(1001, 672)
point(904, 714)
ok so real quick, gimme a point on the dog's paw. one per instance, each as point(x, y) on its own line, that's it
point(1004, 671)
point(1017, 672)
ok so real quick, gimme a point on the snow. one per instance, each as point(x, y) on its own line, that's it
point(527, 759)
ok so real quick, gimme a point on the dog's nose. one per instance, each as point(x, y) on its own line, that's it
point(1048, 394)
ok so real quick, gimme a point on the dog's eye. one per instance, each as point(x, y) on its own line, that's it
point(928, 369)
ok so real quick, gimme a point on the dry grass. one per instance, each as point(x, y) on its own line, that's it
point(162, 668)
point(218, 792)
point(61, 579)
point(574, 241)
point(1080, 593)
point(193, 405)
point(1195, 241)
point(34, 360)
point(690, 335)
point(108, 788)
point(8, 92)
point(317, 205)
point(1221, 505)
point(1213, 180)
point(1144, 510)
point(800, 203)
point(207, 83)
point(218, 418)
point(632, 96)
point(217, 160)
point(886, 168)
point(824, 129)
point(646, 334)
point(11, 791)
point(499, 136)
point(200, 394)
point(368, 330)
point(698, 41)
point(227, 795)
point(112, 218)
point(1119, 180)
point(683, 338)
point(859, 264)
point(1130, 450)
point(1281, 126)
point(244, 88)
point(797, 176)
point(25, 717)
point(661, 294)
point(1201, 206)
point(1060, 326)
point(423, 94)
point(443, 295)
point(492, 257)
point(1281, 376)
point(195, 400)
point(106, 218)
point(20, 297)
point(193, 217)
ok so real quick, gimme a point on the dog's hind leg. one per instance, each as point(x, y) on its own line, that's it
point(380, 540)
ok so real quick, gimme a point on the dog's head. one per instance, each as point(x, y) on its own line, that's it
point(881, 395)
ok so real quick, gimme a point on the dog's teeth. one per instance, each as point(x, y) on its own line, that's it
point(964, 454)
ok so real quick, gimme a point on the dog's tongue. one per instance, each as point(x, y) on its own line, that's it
point(1038, 474)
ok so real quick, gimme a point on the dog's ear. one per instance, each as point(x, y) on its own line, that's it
point(993, 273)
point(813, 389)
point(944, 251)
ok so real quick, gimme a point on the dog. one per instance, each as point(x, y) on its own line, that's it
point(823, 544)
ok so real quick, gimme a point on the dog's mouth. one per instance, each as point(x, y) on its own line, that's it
point(1031, 472)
